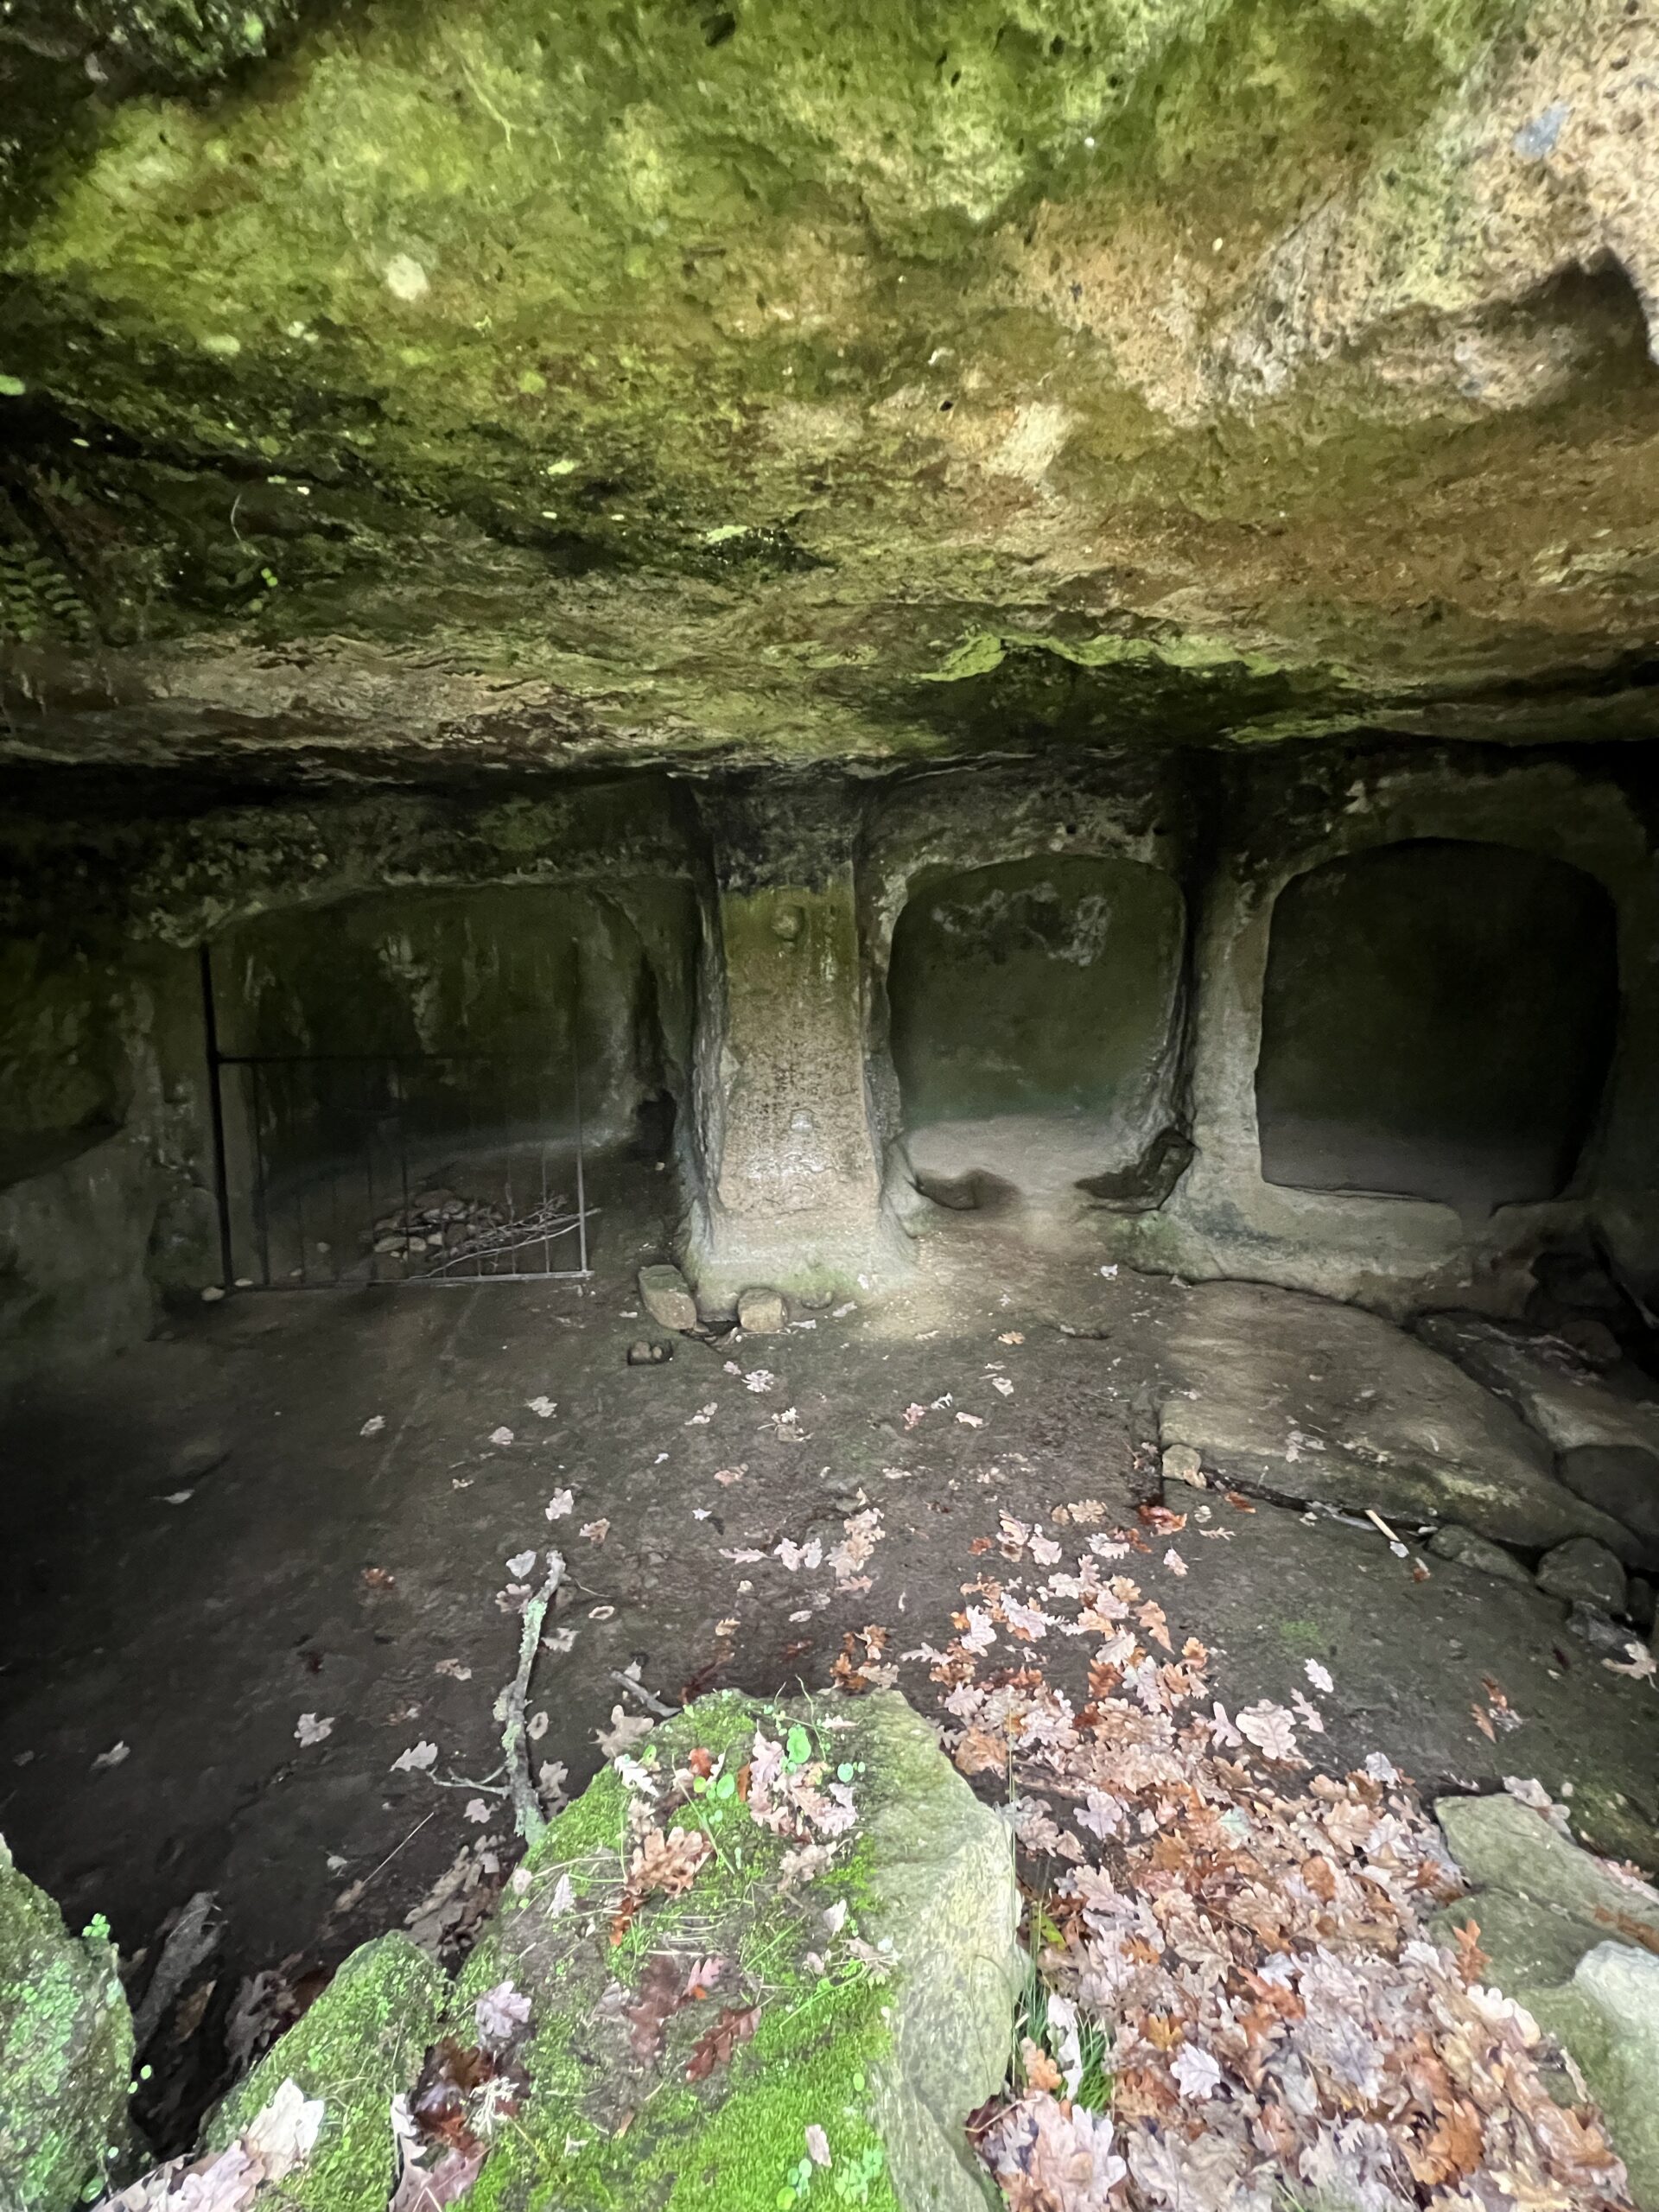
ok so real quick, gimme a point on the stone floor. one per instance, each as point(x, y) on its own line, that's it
point(305, 1504)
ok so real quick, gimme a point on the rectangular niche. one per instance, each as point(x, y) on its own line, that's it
point(412, 1081)
point(1438, 1022)
point(1031, 1007)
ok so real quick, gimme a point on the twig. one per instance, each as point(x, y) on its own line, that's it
point(348, 1898)
point(649, 1699)
point(527, 1815)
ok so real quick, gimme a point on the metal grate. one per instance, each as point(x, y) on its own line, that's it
point(341, 1170)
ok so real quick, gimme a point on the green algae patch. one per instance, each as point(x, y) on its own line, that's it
point(360, 2045)
point(66, 2052)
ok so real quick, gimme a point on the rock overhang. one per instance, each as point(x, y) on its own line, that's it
point(577, 385)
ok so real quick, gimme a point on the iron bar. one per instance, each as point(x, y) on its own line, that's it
point(216, 1116)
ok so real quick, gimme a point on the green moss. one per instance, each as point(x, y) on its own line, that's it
point(361, 2043)
point(1303, 1637)
point(66, 2052)
point(598, 2134)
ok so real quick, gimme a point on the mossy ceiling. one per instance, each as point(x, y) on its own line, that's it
point(423, 386)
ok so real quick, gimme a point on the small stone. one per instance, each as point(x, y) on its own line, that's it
point(1583, 1572)
point(212, 1295)
point(1464, 1547)
point(761, 1312)
point(643, 1353)
point(666, 1296)
point(1181, 1464)
point(1593, 1627)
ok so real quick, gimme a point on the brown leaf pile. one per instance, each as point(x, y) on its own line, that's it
point(1274, 2016)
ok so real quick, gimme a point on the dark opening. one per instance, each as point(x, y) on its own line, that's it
point(1438, 1022)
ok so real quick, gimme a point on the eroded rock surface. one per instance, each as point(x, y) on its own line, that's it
point(1309, 1400)
point(541, 387)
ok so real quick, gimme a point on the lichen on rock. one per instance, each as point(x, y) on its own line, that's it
point(66, 2053)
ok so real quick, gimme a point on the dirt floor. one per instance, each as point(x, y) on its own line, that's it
point(304, 1503)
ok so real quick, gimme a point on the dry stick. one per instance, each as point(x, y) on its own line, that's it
point(649, 1699)
point(527, 1815)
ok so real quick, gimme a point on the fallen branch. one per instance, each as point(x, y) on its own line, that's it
point(527, 1815)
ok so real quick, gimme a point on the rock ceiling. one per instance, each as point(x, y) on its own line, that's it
point(425, 387)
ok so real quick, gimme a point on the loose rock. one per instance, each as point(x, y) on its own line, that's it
point(1181, 1464)
point(1467, 1549)
point(1583, 1572)
point(1316, 1402)
point(666, 1296)
point(761, 1312)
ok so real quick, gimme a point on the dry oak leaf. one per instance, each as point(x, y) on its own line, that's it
point(735, 2026)
point(980, 1752)
point(669, 1863)
point(1040, 2071)
point(1150, 1617)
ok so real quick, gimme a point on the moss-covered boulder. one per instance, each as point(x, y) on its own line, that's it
point(767, 1958)
point(359, 2046)
point(1576, 1941)
point(66, 2052)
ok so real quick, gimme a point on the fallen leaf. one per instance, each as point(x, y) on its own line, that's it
point(1271, 1729)
point(1039, 2069)
point(501, 1436)
point(1196, 2072)
point(625, 1729)
point(418, 1759)
point(559, 1505)
point(113, 1756)
point(735, 2026)
point(311, 1730)
point(1319, 1676)
point(422, 2188)
point(500, 2013)
point(596, 1531)
point(373, 1425)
